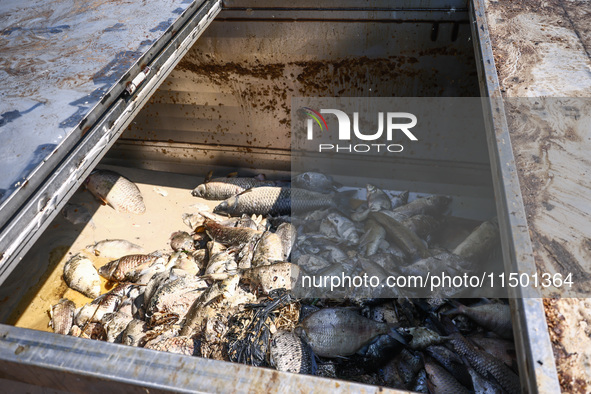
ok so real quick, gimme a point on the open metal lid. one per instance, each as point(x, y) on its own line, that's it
point(64, 66)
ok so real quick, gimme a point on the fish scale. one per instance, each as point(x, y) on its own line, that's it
point(289, 354)
point(116, 190)
point(222, 188)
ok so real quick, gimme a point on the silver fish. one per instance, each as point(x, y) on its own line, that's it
point(182, 241)
point(223, 188)
point(62, 316)
point(175, 297)
point(480, 242)
point(432, 205)
point(288, 234)
point(80, 275)
point(127, 266)
point(289, 354)
point(314, 181)
point(339, 332)
point(114, 324)
point(180, 345)
point(400, 200)
point(337, 227)
point(440, 381)
point(408, 241)
point(422, 225)
point(423, 337)
point(372, 238)
point(482, 362)
point(100, 306)
point(269, 200)
point(135, 333)
point(116, 190)
point(229, 236)
point(282, 275)
point(377, 199)
point(115, 248)
point(493, 317)
point(268, 250)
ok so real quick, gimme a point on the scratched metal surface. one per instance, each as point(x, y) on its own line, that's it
point(61, 60)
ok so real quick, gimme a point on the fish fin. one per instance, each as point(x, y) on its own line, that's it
point(447, 325)
point(260, 177)
point(232, 175)
point(208, 176)
point(393, 333)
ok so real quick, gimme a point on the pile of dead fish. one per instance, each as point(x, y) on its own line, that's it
point(224, 289)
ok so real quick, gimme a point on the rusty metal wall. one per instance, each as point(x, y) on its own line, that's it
point(227, 104)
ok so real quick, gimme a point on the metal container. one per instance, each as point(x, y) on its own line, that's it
point(226, 107)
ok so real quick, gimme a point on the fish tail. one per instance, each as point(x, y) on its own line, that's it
point(393, 333)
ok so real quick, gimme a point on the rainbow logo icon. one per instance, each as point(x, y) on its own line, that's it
point(317, 117)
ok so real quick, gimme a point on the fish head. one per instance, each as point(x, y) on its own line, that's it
point(199, 191)
point(223, 207)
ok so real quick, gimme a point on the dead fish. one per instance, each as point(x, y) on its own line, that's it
point(116, 190)
point(188, 263)
point(339, 332)
point(62, 316)
point(377, 199)
point(493, 317)
point(193, 220)
point(451, 362)
point(223, 188)
point(482, 385)
point(281, 275)
point(311, 263)
point(440, 381)
point(229, 236)
point(268, 250)
point(176, 296)
point(337, 227)
point(115, 248)
point(422, 225)
point(89, 331)
point(314, 181)
point(114, 324)
point(408, 241)
point(500, 348)
point(121, 269)
point(220, 262)
point(182, 241)
point(179, 345)
point(135, 333)
point(77, 214)
point(480, 242)
point(432, 205)
point(423, 337)
point(371, 239)
point(400, 200)
point(442, 261)
point(287, 232)
point(269, 200)
point(80, 275)
point(94, 311)
point(289, 354)
point(482, 362)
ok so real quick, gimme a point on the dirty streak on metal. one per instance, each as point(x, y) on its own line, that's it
point(27, 355)
point(36, 214)
point(535, 358)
